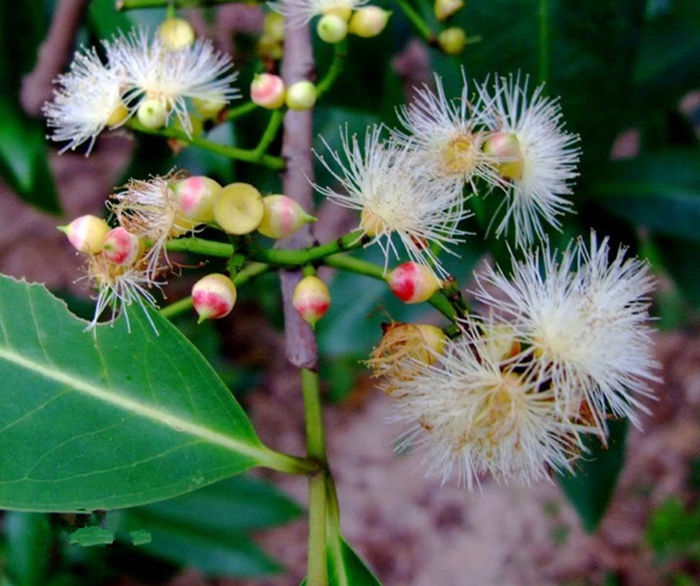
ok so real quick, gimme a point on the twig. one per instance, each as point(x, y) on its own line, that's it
point(54, 55)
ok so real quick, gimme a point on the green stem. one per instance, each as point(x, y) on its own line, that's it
point(241, 110)
point(289, 464)
point(417, 21)
point(201, 246)
point(270, 133)
point(248, 156)
point(340, 52)
point(296, 258)
point(135, 4)
point(544, 40)
point(178, 308)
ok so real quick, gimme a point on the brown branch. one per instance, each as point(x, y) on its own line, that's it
point(54, 55)
point(298, 65)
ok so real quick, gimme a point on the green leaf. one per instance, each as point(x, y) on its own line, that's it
point(111, 419)
point(346, 568)
point(28, 542)
point(591, 487)
point(657, 191)
point(24, 158)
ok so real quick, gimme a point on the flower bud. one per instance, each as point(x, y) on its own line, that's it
point(121, 247)
point(267, 90)
point(505, 147)
point(332, 28)
point(412, 282)
point(209, 107)
point(311, 299)
point(301, 95)
point(238, 208)
point(273, 26)
point(176, 33)
point(213, 296)
point(452, 40)
point(152, 113)
point(283, 217)
point(195, 198)
point(446, 8)
point(368, 21)
point(86, 233)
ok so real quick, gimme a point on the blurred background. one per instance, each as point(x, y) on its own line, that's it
point(628, 76)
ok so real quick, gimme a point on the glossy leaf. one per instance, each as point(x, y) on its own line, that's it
point(657, 191)
point(593, 484)
point(122, 418)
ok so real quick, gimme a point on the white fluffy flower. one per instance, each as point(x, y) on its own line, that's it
point(473, 413)
point(540, 174)
point(584, 318)
point(87, 99)
point(155, 72)
point(382, 181)
point(448, 136)
point(300, 12)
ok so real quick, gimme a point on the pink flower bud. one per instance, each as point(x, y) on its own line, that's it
point(213, 296)
point(195, 197)
point(267, 90)
point(301, 95)
point(283, 217)
point(121, 247)
point(311, 299)
point(412, 282)
point(505, 147)
point(86, 233)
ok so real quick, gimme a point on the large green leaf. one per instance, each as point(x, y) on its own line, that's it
point(659, 191)
point(592, 487)
point(346, 568)
point(109, 420)
point(207, 529)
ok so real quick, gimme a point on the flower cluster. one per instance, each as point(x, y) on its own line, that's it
point(415, 182)
point(561, 346)
point(152, 79)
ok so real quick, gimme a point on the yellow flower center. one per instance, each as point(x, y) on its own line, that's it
point(372, 224)
point(458, 156)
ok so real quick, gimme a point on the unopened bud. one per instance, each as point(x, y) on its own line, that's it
point(86, 233)
point(446, 8)
point(176, 33)
point(311, 299)
point(195, 198)
point(368, 21)
point(273, 26)
point(238, 208)
point(121, 247)
point(332, 28)
point(209, 107)
point(152, 113)
point(267, 90)
point(283, 217)
point(505, 147)
point(301, 95)
point(412, 282)
point(213, 297)
point(452, 40)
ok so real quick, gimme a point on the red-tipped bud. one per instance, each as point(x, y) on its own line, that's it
point(176, 33)
point(213, 296)
point(121, 247)
point(267, 90)
point(301, 95)
point(368, 21)
point(311, 299)
point(505, 147)
point(238, 208)
point(412, 282)
point(332, 28)
point(283, 217)
point(195, 197)
point(452, 40)
point(86, 233)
